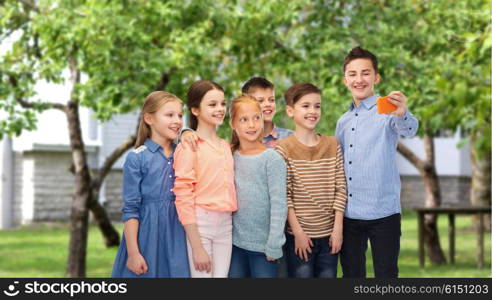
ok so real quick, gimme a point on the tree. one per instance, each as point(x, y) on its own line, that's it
point(469, 103)
point(116, 53)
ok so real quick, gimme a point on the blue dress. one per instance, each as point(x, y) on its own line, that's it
point(148, 179)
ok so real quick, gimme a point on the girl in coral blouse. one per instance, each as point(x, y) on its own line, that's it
point(204, 186)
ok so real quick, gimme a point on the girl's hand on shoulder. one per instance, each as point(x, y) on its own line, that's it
point(201, 260)
point(270, 259)
point(136, 263)
point(303, 245)
point(336, 240)
point(189, 139)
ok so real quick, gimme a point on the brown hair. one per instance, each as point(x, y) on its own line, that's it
point(256, 82)
point(298, 90)
point(195, 94)
point(358, 52)
point(233, 111)
point(152, 103)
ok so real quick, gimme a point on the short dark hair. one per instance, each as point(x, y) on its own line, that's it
point(256, 82)
point(359, 52)
point(298, 90)
point(195, 94)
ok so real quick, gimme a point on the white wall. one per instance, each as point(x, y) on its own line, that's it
point(450, 160)
point(52, 125)
point(115, 132)
point(6, 183)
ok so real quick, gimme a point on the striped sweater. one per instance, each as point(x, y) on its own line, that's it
point(315, 183)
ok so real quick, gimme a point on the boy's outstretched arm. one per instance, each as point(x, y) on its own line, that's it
point(403, 122)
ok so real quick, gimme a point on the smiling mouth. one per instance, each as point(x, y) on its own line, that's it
point(268, 112)
point(312, 119)
point(174, 129)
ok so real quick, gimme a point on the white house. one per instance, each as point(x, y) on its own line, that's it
point(453, 168)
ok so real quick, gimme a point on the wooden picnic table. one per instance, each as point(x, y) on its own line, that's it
point(451, 212)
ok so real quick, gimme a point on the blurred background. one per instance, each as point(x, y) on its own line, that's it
point(73, 75)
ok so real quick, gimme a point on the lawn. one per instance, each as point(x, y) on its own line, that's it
point(41, 251)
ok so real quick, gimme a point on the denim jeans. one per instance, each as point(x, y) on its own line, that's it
point(321, 263)
point(251, 264)
point(384, 235)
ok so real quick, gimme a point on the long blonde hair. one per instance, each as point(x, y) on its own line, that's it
point(152, 103)
point(235, 104)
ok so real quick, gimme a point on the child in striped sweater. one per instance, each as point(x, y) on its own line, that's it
point(316, 189)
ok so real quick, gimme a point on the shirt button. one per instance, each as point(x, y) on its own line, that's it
point(410, 128)
point(350, 178)
point(350, 145)
point(405, 118)
point(356, 115)
point(170, 176)
point(168, 162)
point(350, 162)
point(353, 129)
point(170, 190)
point(350, 195)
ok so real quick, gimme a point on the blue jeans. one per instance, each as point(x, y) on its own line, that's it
point(251, 264)
point(321, 263)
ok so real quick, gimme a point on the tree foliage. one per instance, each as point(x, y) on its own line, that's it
point(436, 52)
point(124, 49)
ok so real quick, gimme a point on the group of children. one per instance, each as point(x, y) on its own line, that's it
point(209, 208)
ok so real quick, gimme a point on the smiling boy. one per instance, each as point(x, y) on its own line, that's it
point(369, 141)
point(264, 92)
point(316, 189)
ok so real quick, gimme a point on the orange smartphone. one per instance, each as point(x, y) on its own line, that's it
point(384, 106)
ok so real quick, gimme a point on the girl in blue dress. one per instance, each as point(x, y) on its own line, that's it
point(154, 241)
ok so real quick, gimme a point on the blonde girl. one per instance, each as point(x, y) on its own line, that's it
point(260, 177)
point(154, 242)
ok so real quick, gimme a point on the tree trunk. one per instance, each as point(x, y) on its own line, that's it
point(111, 236)
point(79, 218)
point(427, 169)
point(480, 187)
point(432, 199)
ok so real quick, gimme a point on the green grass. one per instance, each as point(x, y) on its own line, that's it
point(41, 251)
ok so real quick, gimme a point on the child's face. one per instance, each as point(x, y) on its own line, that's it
point(360, 78)
point(248, 122)
point(266, 98)
point(212, 108)
point(166, 122)
point(306, 112)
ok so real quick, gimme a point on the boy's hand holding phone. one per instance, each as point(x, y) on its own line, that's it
point(395, 103)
